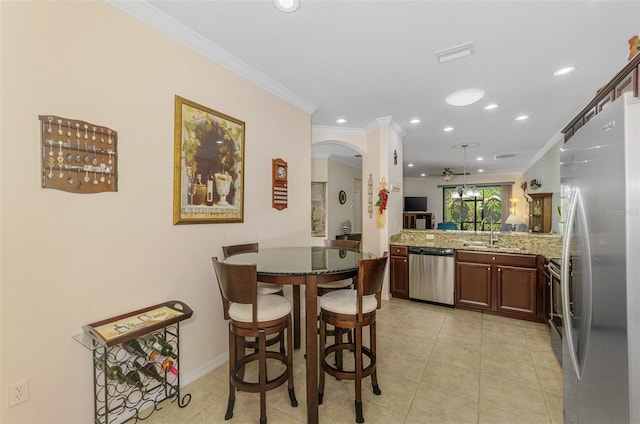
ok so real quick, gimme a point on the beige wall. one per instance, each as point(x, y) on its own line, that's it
point(341, 177)
point(71, 259)
point(547, 171)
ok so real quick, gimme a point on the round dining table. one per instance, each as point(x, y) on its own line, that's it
point(304, 266)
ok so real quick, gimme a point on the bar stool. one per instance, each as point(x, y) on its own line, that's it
point(353, 309)
point(253, 315)
point(324, 288)
point(235, 249)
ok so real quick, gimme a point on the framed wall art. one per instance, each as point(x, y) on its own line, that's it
point(318, 209)
point(208, 176)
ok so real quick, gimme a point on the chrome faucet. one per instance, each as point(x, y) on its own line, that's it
point(492, 239)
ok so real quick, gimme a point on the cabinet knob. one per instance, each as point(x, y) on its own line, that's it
point(404, 260)
point(499, 269)
point(493, 258)
point(488, 268)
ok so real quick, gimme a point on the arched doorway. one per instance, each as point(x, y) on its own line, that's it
point(339, 165)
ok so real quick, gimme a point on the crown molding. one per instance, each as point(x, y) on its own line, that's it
point(324, 129)
point(149, 15)
point(386, 121)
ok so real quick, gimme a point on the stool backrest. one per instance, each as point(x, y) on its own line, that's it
point(238, 284)
point(234, 249)
point(370, 279)
point(343, 244)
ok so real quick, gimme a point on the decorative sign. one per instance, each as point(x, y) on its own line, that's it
point(280, 191)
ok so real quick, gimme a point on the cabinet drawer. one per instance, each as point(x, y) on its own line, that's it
point(489, 258)
point(399, 250)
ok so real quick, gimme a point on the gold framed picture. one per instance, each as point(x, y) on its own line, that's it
point(208, 176)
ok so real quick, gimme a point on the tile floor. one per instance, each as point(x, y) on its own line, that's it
point(435, 365)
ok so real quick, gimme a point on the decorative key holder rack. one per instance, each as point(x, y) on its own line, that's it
point(78, 156)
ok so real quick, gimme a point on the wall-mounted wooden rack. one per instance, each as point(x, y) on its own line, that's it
point(78, 156)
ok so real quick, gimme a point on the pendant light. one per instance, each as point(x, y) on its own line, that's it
point(465, 191)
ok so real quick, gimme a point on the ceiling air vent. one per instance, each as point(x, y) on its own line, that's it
point(505, 156)
point(453, 53)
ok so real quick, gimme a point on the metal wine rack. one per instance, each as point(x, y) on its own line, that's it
point(118, 402)
point(78, 156)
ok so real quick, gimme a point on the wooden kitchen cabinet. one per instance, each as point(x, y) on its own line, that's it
point(511, 285)
point(399, 271)
point(473, 285)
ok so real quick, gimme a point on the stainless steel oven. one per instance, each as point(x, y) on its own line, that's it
point(555, 306)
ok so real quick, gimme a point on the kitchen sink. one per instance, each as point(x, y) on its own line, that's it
point(474, 243)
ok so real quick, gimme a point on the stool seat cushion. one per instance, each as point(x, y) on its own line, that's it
point(340, 284)
point(269, 288)
point(270, 307)
point(344, 302)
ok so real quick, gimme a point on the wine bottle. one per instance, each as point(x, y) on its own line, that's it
point(149, 369)
point(210, 183)
point(165, 363)
point(113, 373)
point(132, 378)
point(134, 347)
point(156, 342)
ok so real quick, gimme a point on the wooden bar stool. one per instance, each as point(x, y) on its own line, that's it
point(263, 288)
point(234, 249)
point(324, 288)
point(253, 315)
point(351, 310)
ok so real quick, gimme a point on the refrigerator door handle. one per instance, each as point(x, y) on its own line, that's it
point(569, 304)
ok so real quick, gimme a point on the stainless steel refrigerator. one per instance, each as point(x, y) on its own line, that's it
point(600, 186)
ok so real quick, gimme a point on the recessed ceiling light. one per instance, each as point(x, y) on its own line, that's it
point(340, 121)
point(522, 117)
point(415, 121)
point(287, 6)
point(423, 175)
point(409, 165)
point(491, 106)
point(465, 97)
point(479, 158)
point(564, 71)
point(447, 129)
point(481, 170)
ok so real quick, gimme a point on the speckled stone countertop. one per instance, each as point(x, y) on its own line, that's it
point(547, 245)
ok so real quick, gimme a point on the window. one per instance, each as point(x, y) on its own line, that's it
point(475, 213)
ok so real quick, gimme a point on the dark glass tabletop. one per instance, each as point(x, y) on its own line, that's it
point(301, 260)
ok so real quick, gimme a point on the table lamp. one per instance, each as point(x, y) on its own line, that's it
point(513, 220)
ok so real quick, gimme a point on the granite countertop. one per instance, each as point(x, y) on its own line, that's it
point(547, 245)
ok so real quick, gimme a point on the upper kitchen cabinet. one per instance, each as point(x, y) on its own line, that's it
point(540, 212)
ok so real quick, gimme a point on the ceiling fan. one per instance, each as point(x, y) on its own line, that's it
point(448, 174)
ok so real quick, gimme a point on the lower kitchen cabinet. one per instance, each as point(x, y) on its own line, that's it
point(511, 285)
point(399, 271)
point(473, 285)
point(516, 290)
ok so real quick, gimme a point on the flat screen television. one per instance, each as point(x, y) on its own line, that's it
point(415, 204)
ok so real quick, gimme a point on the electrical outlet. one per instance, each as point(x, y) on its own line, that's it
point(19, 393)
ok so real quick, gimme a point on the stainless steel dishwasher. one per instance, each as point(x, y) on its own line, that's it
point(431, 275)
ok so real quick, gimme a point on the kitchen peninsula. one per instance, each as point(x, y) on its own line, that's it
point(506, 278)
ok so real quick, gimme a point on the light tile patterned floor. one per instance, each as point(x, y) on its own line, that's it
point(435, 365)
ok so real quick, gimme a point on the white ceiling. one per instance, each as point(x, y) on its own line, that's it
point(364, 60)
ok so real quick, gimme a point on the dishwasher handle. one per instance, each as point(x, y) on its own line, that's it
point(431, 251)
